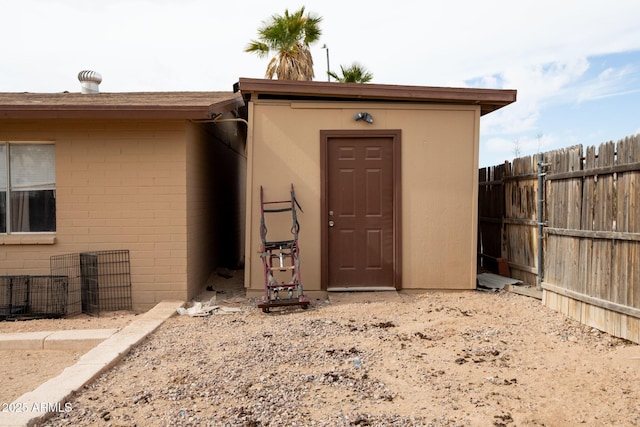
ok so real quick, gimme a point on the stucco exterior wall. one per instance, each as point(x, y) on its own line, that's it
point(119, 185)
point(201, 251)
point(439, 183)
point(215, 197)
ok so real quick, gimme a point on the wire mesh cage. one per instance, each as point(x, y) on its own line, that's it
point(14, 296)
point(98, 281)
point(47, 296)
point(33, 297)
point(69, 265)
point(106, 280)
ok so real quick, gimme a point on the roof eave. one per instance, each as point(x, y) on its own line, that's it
point(102, 112)
point(489, 99)
point(118, 111)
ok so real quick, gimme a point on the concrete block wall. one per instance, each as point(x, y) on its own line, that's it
point(119, 185)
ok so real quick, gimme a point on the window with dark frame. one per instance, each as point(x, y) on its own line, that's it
point(27, 187)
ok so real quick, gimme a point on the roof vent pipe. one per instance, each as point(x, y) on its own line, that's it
point(89, 81)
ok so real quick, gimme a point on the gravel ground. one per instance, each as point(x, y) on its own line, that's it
point(433, 359)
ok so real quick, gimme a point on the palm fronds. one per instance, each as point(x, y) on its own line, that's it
point(288, 37)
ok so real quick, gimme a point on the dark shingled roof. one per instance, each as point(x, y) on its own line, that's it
point(153, 105)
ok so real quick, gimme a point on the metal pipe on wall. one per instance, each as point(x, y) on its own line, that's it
point(541, 224)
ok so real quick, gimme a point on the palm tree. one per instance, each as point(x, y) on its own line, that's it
point(355, 73)
point(288, 36)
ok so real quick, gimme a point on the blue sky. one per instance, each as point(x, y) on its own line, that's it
point(575, 63)
point(596, 101)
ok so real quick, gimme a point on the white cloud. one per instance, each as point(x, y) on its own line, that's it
point(198, 44)
point(609, 83)
point(543, 48)
point(537, 85)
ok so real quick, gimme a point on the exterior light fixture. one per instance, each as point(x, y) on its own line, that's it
point(364, 116)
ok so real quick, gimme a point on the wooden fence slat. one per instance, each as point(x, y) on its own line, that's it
point(608, 288)
point(587, 223)
point(574, 214)
point(620, 249)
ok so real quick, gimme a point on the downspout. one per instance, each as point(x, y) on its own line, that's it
point(216, 119)
point(222, 120)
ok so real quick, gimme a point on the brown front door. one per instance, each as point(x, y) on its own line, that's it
point(360, 213)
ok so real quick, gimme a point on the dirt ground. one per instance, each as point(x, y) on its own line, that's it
point(22, 371)
point(433, 359)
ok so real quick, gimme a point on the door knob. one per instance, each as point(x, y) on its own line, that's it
point(331, 223)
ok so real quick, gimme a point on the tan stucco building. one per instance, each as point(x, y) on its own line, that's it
point(386, 175)
point(168, 176)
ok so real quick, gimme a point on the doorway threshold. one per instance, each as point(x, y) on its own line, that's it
point(362, 289)
point(361, 296)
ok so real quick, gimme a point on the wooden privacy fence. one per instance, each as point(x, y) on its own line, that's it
point(507, 217)
point(591, 218)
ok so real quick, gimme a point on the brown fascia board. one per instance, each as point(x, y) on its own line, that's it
point(489, 99)
point(102, 112)
point(133, 105)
